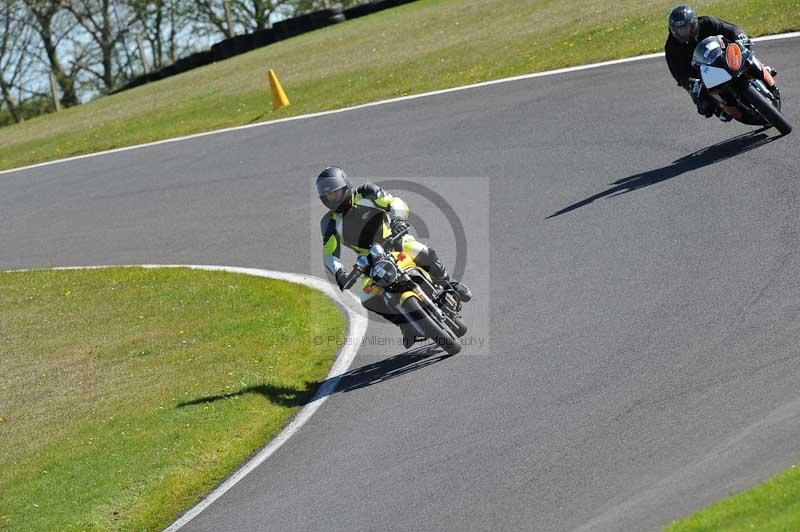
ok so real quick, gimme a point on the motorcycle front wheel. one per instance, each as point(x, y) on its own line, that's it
point(458, 326)
point(765, 108)
point(414, 312)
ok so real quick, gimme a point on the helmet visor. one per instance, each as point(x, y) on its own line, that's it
point(334, 198)
point(685, 33)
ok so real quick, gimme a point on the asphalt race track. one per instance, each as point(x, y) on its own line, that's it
point(635, 270)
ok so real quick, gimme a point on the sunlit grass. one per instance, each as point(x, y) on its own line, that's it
point(773, 506)
point(126, 394)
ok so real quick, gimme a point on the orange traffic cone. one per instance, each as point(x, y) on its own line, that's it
point(279, 98)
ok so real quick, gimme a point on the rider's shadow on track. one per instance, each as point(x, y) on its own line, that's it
point(390, 368)
point(355, 379)
point(703, 157)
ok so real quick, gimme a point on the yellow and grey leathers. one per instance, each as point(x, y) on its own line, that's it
point(367, 219)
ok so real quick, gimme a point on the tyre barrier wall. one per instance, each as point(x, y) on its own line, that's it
point(284, 29)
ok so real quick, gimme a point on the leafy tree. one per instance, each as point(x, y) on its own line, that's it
point(53, 28)
point(246, 15)
point(164, 25)
point(106, 24)
point(16, 38)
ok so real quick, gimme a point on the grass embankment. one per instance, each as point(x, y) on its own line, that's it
point(428, 45)
point(773, 506)
point(125, 394)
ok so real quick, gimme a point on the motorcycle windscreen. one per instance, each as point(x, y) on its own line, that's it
point(707, 51)
point(713, 76)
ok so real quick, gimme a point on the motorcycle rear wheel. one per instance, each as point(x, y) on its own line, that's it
point(765, 108)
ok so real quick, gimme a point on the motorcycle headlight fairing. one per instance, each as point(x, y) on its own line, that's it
point(384, 272)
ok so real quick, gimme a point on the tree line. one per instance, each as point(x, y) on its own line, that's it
point(83, 48)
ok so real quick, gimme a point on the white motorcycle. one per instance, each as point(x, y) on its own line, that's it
point(742, 86)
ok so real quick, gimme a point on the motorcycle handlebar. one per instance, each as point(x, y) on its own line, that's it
point(356, 272)
point(392, 240)
point(351, 279)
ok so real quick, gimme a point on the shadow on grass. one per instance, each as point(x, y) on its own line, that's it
point(279, 395)
point(355, 379)
point(699, 159)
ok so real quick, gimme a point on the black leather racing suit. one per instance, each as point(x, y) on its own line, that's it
point(679, 56)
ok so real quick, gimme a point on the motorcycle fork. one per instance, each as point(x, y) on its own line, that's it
point(434, 303)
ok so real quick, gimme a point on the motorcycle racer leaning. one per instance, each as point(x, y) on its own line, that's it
point(686, 29)
point(359, 217)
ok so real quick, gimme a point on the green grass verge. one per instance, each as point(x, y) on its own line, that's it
point(127, 393)
point(773, 506)
point(427, 45)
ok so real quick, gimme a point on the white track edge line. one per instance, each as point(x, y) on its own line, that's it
point(356, 329)
point(375, 104)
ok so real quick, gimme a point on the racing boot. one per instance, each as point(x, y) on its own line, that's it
point(461, 289)
point(440, 275)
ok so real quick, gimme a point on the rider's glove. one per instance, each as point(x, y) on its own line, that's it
point(705, 105)
point(398, 224)
point(694, 86)
point(341, 278)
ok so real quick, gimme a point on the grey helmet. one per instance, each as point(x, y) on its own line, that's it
point(334, 189)
point(683, 24)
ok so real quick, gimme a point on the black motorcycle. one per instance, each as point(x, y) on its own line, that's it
point(433, 309)
point(737, 80)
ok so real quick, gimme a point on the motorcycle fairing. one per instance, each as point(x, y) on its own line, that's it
point(713, 76)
